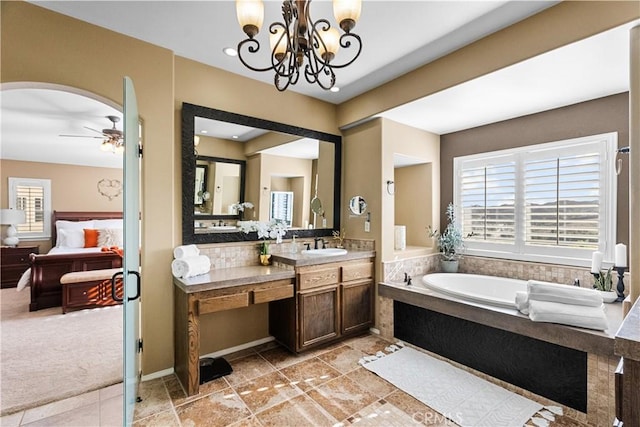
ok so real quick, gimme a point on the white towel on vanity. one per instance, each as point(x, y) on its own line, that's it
point(554, 292)
point(568, 314)
point(190, 266)
point(186, 251)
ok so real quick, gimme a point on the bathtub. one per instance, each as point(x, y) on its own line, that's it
point(497, 291)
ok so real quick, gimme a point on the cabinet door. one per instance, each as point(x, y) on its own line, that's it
point(318, 315)
point(357, 306)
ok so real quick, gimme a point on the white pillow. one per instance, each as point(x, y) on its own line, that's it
point(107, 223)
point(110, 237)
point(70, 225)
point(71, 238)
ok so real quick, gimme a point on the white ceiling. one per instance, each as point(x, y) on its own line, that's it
point(199, 30)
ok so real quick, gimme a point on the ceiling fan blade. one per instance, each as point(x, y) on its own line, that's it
point(83, 136)
point(95, 130)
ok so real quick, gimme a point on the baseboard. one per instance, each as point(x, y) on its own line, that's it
point(240, 347)
point(219, 353)
point(157, 374)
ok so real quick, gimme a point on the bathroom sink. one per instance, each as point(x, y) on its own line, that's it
point(324, 252)
point(223, 227)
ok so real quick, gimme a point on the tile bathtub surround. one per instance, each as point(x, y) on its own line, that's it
point(243, 254)
point(418, 266)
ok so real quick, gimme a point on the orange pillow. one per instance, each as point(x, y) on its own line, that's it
point(90, 238)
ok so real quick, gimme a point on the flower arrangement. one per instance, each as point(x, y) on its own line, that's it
point(240, 207)
point(604, 281)
point(339, 236)
point(450, 242)
point(274, 229)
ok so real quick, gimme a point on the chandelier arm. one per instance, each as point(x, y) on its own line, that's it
point(252, 46)
point(346, 43)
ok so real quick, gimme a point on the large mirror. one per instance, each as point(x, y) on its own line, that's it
point(237, 168)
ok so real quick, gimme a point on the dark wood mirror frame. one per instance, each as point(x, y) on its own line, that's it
point(189, 113)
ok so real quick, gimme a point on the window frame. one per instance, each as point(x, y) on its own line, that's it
point(519, 250)
point(14, 182)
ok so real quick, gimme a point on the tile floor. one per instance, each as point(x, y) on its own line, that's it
point(268, 387)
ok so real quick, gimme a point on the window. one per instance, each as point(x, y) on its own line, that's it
point(34, 197)
point(282, 206)
point(540, 202)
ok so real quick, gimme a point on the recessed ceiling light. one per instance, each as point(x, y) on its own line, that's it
point(203, 131)
point(229, 51)
point(235, 137)
point(335, 89)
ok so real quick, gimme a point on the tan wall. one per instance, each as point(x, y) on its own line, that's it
point(270, 167)
point(73, 188)
point(69, 52)
point(216, 147)
point(609, 114)
point(414, 202)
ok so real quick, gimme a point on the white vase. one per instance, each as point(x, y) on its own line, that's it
point(609, 296)
point(448, 266)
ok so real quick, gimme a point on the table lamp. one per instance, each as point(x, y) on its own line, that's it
point(11, 217)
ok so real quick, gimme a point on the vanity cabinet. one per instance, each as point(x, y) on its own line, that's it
point(333, 301)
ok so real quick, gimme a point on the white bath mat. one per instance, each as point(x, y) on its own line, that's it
point(460, 396)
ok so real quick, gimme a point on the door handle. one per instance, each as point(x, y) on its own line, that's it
point(135, 273)
point(113, 286)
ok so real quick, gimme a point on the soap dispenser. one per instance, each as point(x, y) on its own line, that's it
point(294, 245)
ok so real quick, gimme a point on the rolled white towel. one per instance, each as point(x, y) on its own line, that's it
point(190, 266)
point(522, 302)
point(185, 251)
point(554, 292)
point(567, 314)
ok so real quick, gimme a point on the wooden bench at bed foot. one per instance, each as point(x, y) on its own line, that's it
point(89, 289)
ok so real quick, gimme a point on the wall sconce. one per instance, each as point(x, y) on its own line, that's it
point(391, 187)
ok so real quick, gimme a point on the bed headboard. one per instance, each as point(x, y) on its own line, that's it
point(78, 216)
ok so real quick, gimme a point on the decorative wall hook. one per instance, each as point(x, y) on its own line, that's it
point(391, 187)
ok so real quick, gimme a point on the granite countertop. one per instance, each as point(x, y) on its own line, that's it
point(588, 340)
point(628, 336)
point(222, 278)
point(299, 259)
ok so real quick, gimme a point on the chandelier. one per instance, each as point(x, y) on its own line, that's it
point(299, 37)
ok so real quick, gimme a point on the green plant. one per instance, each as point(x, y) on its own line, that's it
point(450, 242)
point(604, 281)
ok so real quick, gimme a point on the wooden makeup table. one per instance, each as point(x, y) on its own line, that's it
point(218, 290)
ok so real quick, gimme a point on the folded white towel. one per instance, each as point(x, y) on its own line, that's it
point(568, 314)
point(190, 266)
point(186, 251)
point(522, 302)
point(554, 292)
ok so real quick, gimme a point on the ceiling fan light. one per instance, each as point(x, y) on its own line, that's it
point(347, 13)
point(106, 146)
point(250, 16)
point(118, 149)
point(329, 44)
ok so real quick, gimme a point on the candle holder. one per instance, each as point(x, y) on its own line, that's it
point(620, 286)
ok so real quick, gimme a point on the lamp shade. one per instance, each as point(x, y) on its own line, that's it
point(250, 15)
point(347, 13)
point(12, 216)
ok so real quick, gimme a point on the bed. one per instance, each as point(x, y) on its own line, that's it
point(46, 270)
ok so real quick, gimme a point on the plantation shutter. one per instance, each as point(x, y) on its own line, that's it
point(30, 198)
point(562, 199)
point(488, 197)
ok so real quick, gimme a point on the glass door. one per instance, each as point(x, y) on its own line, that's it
point(131, 260)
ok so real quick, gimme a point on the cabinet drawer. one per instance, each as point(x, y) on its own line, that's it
point(82, 294)
point(313, 279)
point(226, 302)
point(357, 271)
point(273, 294)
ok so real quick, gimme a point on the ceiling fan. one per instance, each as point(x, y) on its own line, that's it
point(113, 138)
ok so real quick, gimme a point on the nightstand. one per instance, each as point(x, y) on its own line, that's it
point(14, 262)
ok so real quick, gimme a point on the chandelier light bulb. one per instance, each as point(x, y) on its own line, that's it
point(278, 43)
point(347, 13)
point(250, 16)
point(329, 44)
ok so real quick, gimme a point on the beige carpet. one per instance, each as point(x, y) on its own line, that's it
point(46, 355)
